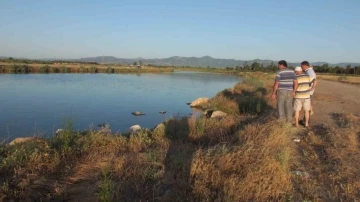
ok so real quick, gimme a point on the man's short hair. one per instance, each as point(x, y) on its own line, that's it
point(283, 62)
point(305, 63)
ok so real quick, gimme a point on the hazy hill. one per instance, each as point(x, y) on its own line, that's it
point(205, 61)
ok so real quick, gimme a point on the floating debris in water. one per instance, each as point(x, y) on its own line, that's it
point(137, 113)
point(188, 103)
point(162, 112)
point(102, 125)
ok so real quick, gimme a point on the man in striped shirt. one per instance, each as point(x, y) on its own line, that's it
point(305, 65)
point(302, 89)
point(283, 91)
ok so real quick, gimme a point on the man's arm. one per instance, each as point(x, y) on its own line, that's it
point(296, 86)
point(275, 88)
point(314, 85)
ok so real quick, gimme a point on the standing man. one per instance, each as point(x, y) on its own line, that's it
point(302, 95)
point(283, 91)
point(305, 65)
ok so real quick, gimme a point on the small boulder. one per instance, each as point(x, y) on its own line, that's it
point(161, 126)
point(134, 129)
point(137, 113)
point(59, 131)
point(20, 140)
point(198, 102)
point(218, 114)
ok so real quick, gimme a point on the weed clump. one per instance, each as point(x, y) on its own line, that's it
point(110, 70)
point(64, 69)
point(343, 78)
point(93, 69)
point(44, 69)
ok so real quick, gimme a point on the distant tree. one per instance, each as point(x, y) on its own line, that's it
point(10, 58)
point(246, 66)
point(135, 63)
point(262, 67)
point(255, 66)
point(348, 69)
point(140, 63)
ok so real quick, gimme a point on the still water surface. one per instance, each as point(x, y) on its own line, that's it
point(36, 104)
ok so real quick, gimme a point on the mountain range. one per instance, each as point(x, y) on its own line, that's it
point(205, 61)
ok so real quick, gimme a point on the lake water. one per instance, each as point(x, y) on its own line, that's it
point(36, 104)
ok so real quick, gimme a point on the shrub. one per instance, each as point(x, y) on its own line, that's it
point(82, 69)
point(64, 69)
point(19, 69)
point(44, 69)
point(53, 70)
point(343, 78)
point(106, 186)
point(109, 70)
point(93, 69)
point(252, 81)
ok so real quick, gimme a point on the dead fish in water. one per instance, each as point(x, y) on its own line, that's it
point(162, 112)
point(102, 125)
point(137, 113)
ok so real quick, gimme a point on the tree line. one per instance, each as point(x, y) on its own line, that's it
point(272, 67)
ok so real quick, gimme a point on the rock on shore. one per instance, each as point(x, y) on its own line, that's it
point(218, 114)
point(20, 140)
point(198, 102)
point(134, 129)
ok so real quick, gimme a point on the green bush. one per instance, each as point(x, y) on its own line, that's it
point(44, 69)
point(93, 69)
point(343, 78)
point(253, 82)
point(53, 70)
point(19, 69)
point(83, 69)
point(253, 105)
point(66, 139)
point(109, 70)
point(64, 69)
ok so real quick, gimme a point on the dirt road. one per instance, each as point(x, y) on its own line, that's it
point(334, 97)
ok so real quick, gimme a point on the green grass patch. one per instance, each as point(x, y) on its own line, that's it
point(252, 81)
point(44, 69)
point(64, 69)
point(343, 78)
point(110, 70)
point(106, 186)
point(93, 69)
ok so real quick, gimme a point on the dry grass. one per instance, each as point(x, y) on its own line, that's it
point(330, 156)
point(342, 78)
point(77, 68)
point(245, 156)
point(255, 169)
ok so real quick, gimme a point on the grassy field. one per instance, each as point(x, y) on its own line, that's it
point(245, 156)
point(341, 78)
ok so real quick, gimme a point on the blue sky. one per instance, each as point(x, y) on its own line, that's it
point(314, 30)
